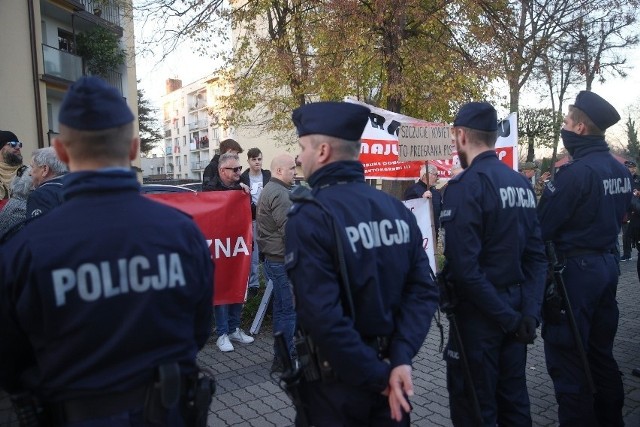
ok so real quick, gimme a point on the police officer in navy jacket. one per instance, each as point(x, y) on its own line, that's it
point(496, 264)
point(366, 342)
point(581, 211)
point(101, 291)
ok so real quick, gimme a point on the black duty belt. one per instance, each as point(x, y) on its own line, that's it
point(76, 410)
point(583, 252)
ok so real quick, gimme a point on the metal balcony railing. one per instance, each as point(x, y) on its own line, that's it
point(198, 124)
point(61, 64)
point(114, 78)
point(201, 164)
point(109, 10)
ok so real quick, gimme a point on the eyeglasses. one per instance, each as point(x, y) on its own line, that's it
point(236, 169)
point(15, 144)
point(21, 170)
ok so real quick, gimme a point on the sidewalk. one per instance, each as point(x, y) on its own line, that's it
point(248, 396)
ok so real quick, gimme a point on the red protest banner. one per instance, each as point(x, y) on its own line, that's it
point(224, 217)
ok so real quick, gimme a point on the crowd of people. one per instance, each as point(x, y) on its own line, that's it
point(105, 308)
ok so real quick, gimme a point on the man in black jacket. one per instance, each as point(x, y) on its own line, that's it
point(211, 171)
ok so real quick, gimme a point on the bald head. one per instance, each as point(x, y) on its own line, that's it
point(283, 167)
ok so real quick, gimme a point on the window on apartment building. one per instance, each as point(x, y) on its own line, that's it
point(184, 141)
point(183, 121)
point(65, 41)
point(184, 160)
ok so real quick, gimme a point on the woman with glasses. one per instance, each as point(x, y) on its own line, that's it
point(14, 213)
point(10, 161)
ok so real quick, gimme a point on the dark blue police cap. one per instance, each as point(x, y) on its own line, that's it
point(93, 104)
point(477, 115)
point(338, 119)
point(630, 164)
point(601, 113)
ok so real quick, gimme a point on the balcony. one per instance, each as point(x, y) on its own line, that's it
point(168, 150)
point(114, 78)
point(62, 65)
point(109, 10)
point(199, 143)
point(198, 124)
point(199, 164)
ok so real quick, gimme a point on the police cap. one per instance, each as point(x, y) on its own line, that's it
point(338, 119)
point(630, 164)
point(6, 136)
point(93, 104)
point(477, 115)
point(601, 113)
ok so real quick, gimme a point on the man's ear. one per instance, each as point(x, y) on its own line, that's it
point(133, 151)
point(324, 152)
point(61, 150)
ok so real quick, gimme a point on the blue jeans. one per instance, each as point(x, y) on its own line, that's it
point(254, 278)
point(227, 318)
point(284, 315)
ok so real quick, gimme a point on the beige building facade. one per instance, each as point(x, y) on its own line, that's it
point(40, 61)
point(191, 117)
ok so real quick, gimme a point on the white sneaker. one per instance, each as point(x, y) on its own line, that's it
point(224, 344)
point(240, 337)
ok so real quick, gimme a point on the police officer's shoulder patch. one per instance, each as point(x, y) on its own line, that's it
point(549, 186)
point(447, 214)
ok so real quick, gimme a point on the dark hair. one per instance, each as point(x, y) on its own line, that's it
point(230, 144)
point(484, 137)
point(253, 153)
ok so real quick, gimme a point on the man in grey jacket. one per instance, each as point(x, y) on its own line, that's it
point(271, 217)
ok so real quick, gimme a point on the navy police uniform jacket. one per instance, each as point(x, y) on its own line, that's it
point(46, 197)
point(391, 282)
point(101, 290)
point(583, 208)
point(492, 240)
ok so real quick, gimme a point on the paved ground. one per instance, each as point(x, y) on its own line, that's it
point(248, 396)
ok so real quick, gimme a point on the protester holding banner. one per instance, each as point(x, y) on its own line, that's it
point(106, 300)
point(581, 212)
point(365, 304)
point(425, 187)
point(495, 267)
point(210, 172)
point(228, 315)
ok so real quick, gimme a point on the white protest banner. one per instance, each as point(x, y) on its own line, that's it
point(421, 208)
point(431, 142)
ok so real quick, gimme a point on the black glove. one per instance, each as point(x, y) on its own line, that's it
point(526, 331)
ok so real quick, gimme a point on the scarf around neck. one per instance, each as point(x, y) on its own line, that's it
point(6, 175)
point(581, 145)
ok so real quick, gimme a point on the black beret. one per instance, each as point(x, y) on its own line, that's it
point(93, 104)
point(6, 136)
point(477, 115)
point(338, 119)
point(601, 113)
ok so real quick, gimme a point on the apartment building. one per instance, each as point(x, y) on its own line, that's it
point(192, 133)
point(38, 47)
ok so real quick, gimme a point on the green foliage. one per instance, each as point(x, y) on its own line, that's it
point(633, 145)
point(101, 51)
point(407, 57)
point(149, 126)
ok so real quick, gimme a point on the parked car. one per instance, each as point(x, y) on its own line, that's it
point(164, 188)
point(195, 186)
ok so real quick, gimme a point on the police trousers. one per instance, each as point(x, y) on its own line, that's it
point(497, 364)
point(591, 282)
point(334, 404)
